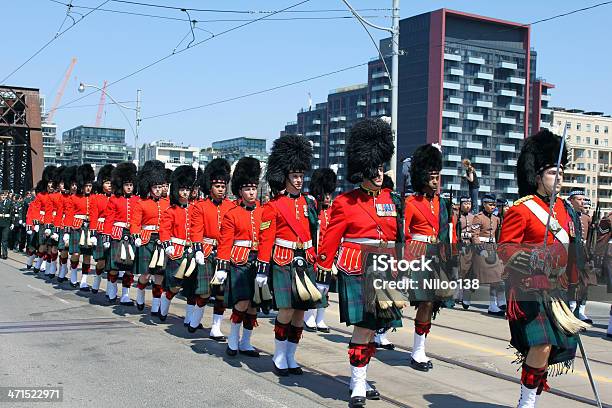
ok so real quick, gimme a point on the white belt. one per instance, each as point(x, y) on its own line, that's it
point(149, 228)
point(245, 243)
point(42, 213)
point(54, 213)
point(431, 239)
point(210, 241)
point(371, 242)
point(292, 245)
point(82, 217)
point(180, 241)
point(483, 239)
point(5, 215)
point(101, 219)
point(120, 224)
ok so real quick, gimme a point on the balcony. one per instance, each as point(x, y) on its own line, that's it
point(361, 103)
point(455, 100)
point(315, 133)
point(507, 92)
point(506, 148)
point(451, 143)
point(511, 190)
point(505, 176)
point(338, 130)
point(545, 111)
point(452, 57)
point(516, 80)
point(337, 118)
point(511, 162)
point(516, 108)
point(474, 145)
point(453, 158)
point(456, 71)
point(507, 65)
point(379, 100)
point(515, 135)
point(449, 172)
point(507, 121)
point(475, 88)
point(451, 85)
point(455, 129)
point(474, 116)
point(316, 122)
point(485, 189)
point(545, 97)
point(545, 125)
point(482, 160)
point(381, 87)
point(484, 132)
point(382, 74)
point(476, 60)
point(450, 114)
point(484, 104)
point(360, 115)
point(484, 75)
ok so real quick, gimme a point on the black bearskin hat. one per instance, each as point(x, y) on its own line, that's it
point(388, 182)
point(124, 173)
point(183, 177)
point(153, 173)
point(84, 175)
point(216, 171)
point(104, 174)
point(246, 173)
point(57, 177)
point(69, 176)
point(289, 153)
point(323, 182)
point(425, 159)
point(370, 145)
point(539, 152)
point(168, 175)
point(48, 175)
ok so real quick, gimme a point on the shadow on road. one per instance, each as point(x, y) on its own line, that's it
point(452, 401)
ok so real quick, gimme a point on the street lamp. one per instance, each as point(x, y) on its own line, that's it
point(82, 88)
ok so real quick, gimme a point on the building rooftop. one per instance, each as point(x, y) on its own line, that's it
point(580, 111)
point(348, 88)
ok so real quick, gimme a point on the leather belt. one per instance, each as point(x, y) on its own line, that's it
point(149, 228)
point(120, 224)
point(245, 243)
point(371, 242)
point(101, 219)
point(210, 241)
point(292, 245)
point(180, 241)
point(430, 239)
point(42, 213)
point(82, 217)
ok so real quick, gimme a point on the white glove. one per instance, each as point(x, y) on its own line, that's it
point(169, 250)
point(94, 241)
point(484, 253)
point(37, 228)
point(66, 238)
point(106, 245)
point(29, 232)
point(12, 226)
point(47, 232)
point(55, 236)
point(323, 288)
point(199, 257)
point(261, 280)
point(20, 222)
point(220, 277)
point(138, 242)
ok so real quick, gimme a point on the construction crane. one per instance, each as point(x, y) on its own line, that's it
point(60, 91)
point(101, 105)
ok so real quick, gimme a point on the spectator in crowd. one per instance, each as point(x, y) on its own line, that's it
point(472, 179)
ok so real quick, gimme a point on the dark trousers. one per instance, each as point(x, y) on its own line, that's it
point(4, 235)
point(474, 198)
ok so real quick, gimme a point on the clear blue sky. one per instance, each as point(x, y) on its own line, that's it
point(573, 53)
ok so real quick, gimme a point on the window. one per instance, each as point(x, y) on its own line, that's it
point(596, 142)
point(589, 155)
point(596, 128)
point(588, 127)
point(605, 129)
point(578, 126)
point(577, 139)
point(568, 125)
point(558, 123)
point(588, 139)
point(606, 142)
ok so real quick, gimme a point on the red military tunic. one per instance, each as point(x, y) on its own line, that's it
point(65, 221)
point(37, 209)
point(82, 208)
point(60, 211)
point(324, 217)
point(239, 234)
point(206, 222)
point(175, 228)
point(274, 227)
point(55, 203)
point(417, 218)
point(357, 215)
point(119, 215)
point(147, 217)
point(101, 201)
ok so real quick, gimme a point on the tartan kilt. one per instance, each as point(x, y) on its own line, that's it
point(282, 282)
point(99, 253)
point(538, 329)
point(422, 294)
point(144, 255)
point(240, 283)
point(60, 245)
point(204, 276)
point(351, 298)
point(114, 251)
point(33, 242)
point(172, 265)
point(75, 238)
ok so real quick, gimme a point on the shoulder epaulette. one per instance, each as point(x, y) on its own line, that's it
point(523, 199)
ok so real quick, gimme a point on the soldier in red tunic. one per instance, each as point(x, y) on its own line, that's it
point(37, 216)
point(542, 328)
point(322, 186)
point(67, 183)
point(364, 222)
point(104, 191)
point(286, 252)
point(117, 235)
point(238, 246)
point(176, 234)
point(145, 231)
point(53, 224)
point(207, 218)
point(427, 229)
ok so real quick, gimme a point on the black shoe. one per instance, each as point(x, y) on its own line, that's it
point(185, 324)
point(372, 394)
point(154, 313)
point(389, 346)
point(62, 280)
point(248, 353)
point(587, 321)
point(28, 267)
point(219, 339)
point(420, 366)
point(94, 291)
point(281, 372)
point(466, 306)
point(162, 317)
point(609, 335)
point(503, 307)
point(74, 285)
point(194, 329)
point(130, 303)
point(501, 313)
point(357, 402)
point(231, 352)
point(311, 329)
point(323, 329)
point(85, 289)
point(296, 371)
point(139, 306)
point(112, 301)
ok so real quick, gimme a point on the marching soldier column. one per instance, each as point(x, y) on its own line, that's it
point(6, 214)
point(465, 221)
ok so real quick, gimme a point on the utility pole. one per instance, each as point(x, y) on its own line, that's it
point(138, 120)
point(394, 84)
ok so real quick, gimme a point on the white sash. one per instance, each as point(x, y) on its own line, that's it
point(542, 215)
